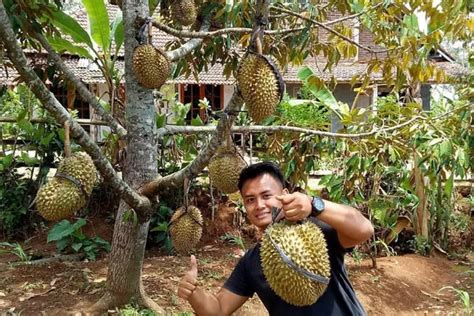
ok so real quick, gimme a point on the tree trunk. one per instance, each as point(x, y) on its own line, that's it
point(422, 213)
point(130, 234)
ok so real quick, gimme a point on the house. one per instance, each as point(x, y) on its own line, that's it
point(217, 89)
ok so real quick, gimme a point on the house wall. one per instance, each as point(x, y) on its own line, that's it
point(228, 91)
point(345, 93)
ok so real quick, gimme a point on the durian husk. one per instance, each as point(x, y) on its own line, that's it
point(260, 84)
point(59, 199)
point(183, 11)
point(151, 66)
point(306, 246)
point(186, 229)
point(224, 169)
point(81, 167)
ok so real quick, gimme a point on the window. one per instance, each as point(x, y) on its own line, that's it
point(192, 93)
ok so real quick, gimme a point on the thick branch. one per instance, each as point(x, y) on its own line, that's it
point(16, 55)
point(85, 94)
point(11, 119)
point(245, 30)
point(189, 46)
point(200, 162)
point(173, 129)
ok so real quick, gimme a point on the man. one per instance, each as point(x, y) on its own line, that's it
point(262, 187)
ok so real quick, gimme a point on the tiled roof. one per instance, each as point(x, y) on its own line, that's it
point(89, 73)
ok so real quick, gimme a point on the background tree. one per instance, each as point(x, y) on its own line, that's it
point(221, 33)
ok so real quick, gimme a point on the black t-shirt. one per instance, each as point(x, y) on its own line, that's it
point(338, 299)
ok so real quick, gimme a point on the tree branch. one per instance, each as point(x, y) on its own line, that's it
point(245, 30)
point(16, 55)
point(85, 94)
point(189, 46)
point(173, 129)
point(200, 162)
point(324, 26)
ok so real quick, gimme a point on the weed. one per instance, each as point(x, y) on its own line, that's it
point(16, 249)
point(463, 298)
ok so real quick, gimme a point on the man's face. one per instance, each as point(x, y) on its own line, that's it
point(258, 195)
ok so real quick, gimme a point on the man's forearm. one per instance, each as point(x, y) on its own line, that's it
point(205, 303)
point(349, 223)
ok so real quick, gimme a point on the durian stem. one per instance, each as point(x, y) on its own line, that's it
point(67, 140)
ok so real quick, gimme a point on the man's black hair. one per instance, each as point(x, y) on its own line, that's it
point(259, 169)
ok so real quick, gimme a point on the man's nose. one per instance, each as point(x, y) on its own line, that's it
point(260, 203)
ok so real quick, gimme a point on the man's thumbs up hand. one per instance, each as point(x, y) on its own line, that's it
point(189, 281)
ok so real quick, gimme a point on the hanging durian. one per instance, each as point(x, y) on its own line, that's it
point(260, 84)
point(70, 188)
point(183, 11)
point(151, 66)
point(186, 229)
point(225, 167)
point(304, 244)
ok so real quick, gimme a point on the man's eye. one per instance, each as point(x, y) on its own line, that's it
point(267, 196)
point(249, 200)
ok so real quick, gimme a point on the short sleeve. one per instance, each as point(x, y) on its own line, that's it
point(240, 282)
point(331, 237)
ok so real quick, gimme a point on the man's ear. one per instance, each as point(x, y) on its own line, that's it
point(285, 191)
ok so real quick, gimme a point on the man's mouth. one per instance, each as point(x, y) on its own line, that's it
point(261, 215)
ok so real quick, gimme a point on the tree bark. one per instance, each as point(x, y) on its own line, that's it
point(130, 233)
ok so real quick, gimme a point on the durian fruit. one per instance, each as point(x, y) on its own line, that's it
point(183, 11)
point(224, 169)
point(305, 245)
point(81, 167)
point(260, 84)
point(70, 188)
point(186, 229)
point(59, 199)
point(151, 66)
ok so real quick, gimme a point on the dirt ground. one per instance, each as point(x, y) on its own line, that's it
point(401, 285)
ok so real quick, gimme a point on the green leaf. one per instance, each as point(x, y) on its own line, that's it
point(152, 4)
point(6, 161)
point(411, 22)
point(76, 246)
point(99, 23)
point(448, 188)
point(64, 228)
point(71, 27)
point(160, 120)
point(62, 244)
point(118, 32)
point(197, 121)
point(304, 73)
point(61, 45)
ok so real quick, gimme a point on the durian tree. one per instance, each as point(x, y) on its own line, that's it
point(209, 32)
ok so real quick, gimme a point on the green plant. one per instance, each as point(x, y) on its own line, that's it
point(357, 255)
point(70, 235)
point(420, 245)
point(14, 200)
point(133, 310)
point(16, 249)
point(159, 228)
point(463, 297)
point(234, 240)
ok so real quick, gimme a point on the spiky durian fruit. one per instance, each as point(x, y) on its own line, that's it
point(59, 199)
point(183, 11)
point(260, 84)
point(305, 245)
point(151, 66)
point(81, 167)
point(224, 169)
point(186, 229)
